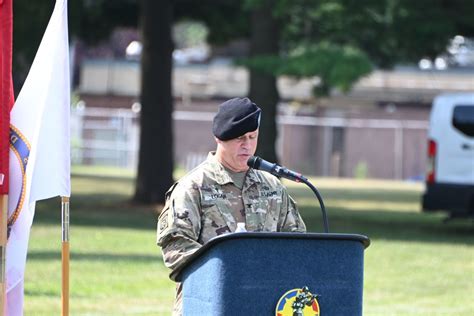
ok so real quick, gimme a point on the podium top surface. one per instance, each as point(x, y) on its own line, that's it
point(272, 235)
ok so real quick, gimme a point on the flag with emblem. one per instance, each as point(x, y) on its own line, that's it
point(39, 147)
point(6, 103)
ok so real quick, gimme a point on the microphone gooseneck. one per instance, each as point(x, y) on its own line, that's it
point(321, 204)
point(280, 171)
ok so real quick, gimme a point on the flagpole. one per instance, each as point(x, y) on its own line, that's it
point(65, 255)
point(3, 246)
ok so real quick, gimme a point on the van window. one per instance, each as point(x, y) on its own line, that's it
point(463, 119)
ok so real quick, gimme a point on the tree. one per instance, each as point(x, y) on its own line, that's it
point(303, 32)
point(388, 31)
point(29, 24)
point(336, 67)
point(253, 19)
point(264, 40)
point(155, 166)
point(89, 21)
point(290, 29)
point(334, 39)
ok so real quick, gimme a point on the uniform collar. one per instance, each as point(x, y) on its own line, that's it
point(221, 175)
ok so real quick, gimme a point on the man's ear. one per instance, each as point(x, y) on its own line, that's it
point(218, 141)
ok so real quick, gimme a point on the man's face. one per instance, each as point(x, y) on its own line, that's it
point(234, 153)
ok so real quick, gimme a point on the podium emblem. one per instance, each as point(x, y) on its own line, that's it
point(298, 302)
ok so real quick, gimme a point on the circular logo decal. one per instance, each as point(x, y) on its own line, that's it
point(19, 154)
point(298, 302)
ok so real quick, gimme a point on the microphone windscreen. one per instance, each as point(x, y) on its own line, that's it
point(253, 162)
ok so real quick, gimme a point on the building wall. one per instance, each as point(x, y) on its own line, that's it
point(321, 146)
point(347, 135)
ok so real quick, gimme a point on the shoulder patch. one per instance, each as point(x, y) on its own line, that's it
point(163, 220)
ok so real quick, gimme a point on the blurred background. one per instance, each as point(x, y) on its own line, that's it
point(346, 89)
point(348, 84)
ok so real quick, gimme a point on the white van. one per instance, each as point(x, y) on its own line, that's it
point(450, 172)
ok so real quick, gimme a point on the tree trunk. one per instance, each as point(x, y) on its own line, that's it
point(155, 163)
point(263, 89)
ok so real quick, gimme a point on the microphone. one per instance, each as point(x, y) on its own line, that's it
point(275, 169)
point(280, 171)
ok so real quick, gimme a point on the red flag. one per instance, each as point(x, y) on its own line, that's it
point(6, 88)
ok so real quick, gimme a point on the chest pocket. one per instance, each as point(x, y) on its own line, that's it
point(216, 217)
point(262, 211)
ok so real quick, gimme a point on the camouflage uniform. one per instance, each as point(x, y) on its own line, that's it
point(205, 203)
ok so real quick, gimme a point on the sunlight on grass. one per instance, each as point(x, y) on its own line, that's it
point(415, 265)
point(418, 278)
point(334, 183)
point(365, 205)
point(102, 171)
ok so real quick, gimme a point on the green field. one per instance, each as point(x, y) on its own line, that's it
point(416, 264)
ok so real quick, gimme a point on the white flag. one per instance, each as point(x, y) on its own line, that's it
point(40, 146)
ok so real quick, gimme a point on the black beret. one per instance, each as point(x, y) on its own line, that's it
point(235, 118)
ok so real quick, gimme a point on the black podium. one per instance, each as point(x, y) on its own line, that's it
point(258, 274)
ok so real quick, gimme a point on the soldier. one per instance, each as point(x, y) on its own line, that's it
point(304, 298)
point(222, 191)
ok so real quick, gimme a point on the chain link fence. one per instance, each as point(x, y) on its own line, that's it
point(321, 146)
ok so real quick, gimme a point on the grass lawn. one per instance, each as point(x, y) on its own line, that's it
point(416, 265)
